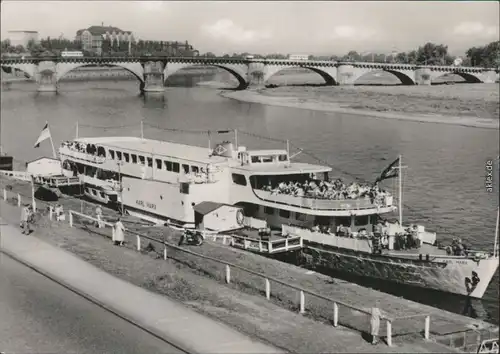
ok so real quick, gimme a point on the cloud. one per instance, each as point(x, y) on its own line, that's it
point(475, 29)
point(352, 33)
point(227, 30)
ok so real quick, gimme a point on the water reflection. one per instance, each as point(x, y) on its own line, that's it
point(154, 100)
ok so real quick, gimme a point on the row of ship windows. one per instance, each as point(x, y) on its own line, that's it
point(344, 220)
point(160, 164)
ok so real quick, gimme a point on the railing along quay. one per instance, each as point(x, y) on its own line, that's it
point(228, 266)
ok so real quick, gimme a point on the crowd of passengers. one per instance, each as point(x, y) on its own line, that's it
point(76, 146)
point(386, 235)
point(335, 190)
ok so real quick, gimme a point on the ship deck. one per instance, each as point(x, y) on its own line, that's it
point(415, 252)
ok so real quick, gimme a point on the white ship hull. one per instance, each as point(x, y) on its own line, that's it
point(446, 273)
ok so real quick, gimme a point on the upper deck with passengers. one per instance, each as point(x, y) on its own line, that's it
point(264, 176)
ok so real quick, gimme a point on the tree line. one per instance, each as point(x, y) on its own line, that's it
point(54, 46)
point(428, 54)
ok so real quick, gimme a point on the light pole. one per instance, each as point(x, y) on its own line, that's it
point(119, 163)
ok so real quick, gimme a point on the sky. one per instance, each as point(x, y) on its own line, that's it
point(265, 27)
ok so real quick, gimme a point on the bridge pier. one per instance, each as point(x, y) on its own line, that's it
point(46, 76)
point(154, 80)
point(346, 75)
point(423, 76)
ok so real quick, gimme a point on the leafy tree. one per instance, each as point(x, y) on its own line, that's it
point(432, 54)
point(487, 56)
point(106, 46)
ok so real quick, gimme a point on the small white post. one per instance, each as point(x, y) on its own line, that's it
point(51, 211)
point(286, 244)
point(335, 314)
point(268, 289)
point(142, 129)
point(113, 233)
point(4, 194)
point(228, 274)
point(165, 252)
point(427, 327)
point(138, 242)
point(302, 302)
point(71, 218)
point(389, 333)
point(18, 199)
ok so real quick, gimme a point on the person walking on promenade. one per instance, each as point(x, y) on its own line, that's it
point(25, 217)
point(98, 214)
point(119, 235)
point(376, 315)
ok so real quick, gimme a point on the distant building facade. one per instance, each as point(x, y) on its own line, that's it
point(93, 37)
point(298, 57)
point(22, 37)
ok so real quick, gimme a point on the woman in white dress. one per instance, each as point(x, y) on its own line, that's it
point(119, 234)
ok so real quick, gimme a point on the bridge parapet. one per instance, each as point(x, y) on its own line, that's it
point(249, 72)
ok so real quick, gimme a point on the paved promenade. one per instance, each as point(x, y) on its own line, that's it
point(165, 318)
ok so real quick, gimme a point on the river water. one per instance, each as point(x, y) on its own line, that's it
point(444, 183)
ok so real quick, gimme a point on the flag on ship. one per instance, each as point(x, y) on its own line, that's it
point(390, 172)
point(44, 135)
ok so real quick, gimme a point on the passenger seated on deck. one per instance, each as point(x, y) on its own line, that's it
point(315, 228)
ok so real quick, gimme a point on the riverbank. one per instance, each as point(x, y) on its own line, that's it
point(241, 304)
point(471, 105)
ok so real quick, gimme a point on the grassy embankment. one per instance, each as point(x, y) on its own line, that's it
point(197, 283)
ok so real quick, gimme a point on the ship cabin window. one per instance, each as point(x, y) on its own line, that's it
point(94, 192)
point(343, 220)
point(185, 168)
point(168, 165)
point(268, 210)
point(126, 156)
point(150, 162)
point(300, 216)
point(239, 179)
point(195, 169)
point(284, 213)
point(175, 167)
point(282, 158)
point(267, 159)
point(101, 151)
point(255, 159)
point(102, 195)
point(134, 158)
point(361, 220)
point(119, 155)
point(158, 164)
point(112, 154)
point(142, 160)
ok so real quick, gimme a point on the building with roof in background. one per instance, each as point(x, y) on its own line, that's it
point(93, 37)
point(22, 37)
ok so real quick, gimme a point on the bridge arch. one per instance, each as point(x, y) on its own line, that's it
point(328, 73)
point(136, 70)
point(22, 68)
point(469, 78)
point(172, 68)
point(404, 77)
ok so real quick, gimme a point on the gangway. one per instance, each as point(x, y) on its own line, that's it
point(57, 181)
point(279, 245)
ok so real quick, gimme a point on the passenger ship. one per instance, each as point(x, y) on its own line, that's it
point(159, 181)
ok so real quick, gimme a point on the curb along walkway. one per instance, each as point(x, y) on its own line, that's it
point(165, 318)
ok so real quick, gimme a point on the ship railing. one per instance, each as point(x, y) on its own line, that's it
point(231, 271)
point(321, 203)
point(357, 244)
point(284, 244)
point(58, 181)
point(82, 155)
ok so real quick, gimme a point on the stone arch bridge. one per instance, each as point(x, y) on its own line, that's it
point(152, 72)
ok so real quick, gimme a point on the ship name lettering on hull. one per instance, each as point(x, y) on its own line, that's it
point(143, 204)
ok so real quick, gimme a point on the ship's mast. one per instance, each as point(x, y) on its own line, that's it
point(400, 196)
